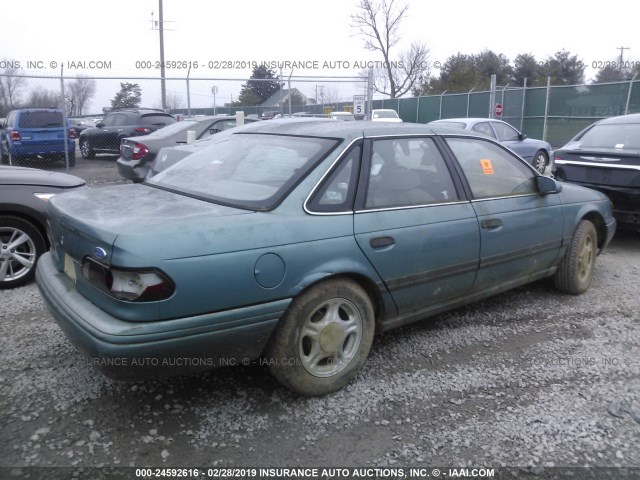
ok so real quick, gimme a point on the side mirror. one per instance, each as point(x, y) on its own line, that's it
point(522, 136)
point(99, 124)
point(547, 185)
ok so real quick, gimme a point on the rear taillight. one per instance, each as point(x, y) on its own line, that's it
point(131, 285)
point(557, 157)
point(138, 151)
point(142, 131)
point(72, 133)
point(15, 136)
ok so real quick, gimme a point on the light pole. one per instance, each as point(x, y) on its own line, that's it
point(214, 90)
point(163, 87)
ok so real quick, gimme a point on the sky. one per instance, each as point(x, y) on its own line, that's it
point(117, 35)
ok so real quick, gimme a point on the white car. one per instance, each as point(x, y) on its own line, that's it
point(384, 115)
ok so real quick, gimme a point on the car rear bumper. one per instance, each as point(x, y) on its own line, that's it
point(138, 350)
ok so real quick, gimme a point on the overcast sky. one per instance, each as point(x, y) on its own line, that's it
point(119, 32)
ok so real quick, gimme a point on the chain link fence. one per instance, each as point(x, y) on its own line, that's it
point(86, 102)
point(552, 113)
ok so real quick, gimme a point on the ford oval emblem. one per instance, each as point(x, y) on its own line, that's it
point(99, 252)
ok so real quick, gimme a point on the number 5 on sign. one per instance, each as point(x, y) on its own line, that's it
point(358, 104)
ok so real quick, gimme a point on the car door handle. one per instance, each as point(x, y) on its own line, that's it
point(491, 223)
point(381, 242)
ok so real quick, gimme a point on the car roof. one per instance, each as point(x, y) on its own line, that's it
point(631, 118)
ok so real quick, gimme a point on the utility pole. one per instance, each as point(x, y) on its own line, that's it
point(622, 49)
point(163, 86)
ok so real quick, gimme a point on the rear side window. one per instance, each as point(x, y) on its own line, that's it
point(157, 120)
point(40, 119)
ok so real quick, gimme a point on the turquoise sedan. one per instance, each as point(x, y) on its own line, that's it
point(295, 241)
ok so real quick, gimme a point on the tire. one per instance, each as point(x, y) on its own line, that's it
point(575, 271)
point(86, 150)
point(72, 159)
point(21, 245)
point(323, 339)
point(540, 161)
point(4, 159)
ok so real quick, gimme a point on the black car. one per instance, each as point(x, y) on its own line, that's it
point(106, 136)
point(606, 157)
point(24, 193)
point(138, 153)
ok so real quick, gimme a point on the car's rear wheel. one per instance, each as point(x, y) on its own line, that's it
point(323, 339)
point(540, 161)
point(86, 150)
point(21, 244)
point(575, 271)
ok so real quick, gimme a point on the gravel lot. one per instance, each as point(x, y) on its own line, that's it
point(531, 379)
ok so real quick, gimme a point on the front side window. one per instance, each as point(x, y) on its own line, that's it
point(251, 171)
point(408, 172)
point(491, 170)
point(506, 133)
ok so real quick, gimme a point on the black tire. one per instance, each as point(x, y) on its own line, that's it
point(4, 159)
point(575, 271)
point(540, 161)
point(339, 314)
point(72, 159)
point(86, 150)
point(30, 247)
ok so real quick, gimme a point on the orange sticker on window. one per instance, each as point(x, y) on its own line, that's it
point(487, 168)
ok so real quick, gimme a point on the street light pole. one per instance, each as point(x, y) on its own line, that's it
point(214, 90)
point(163, 87)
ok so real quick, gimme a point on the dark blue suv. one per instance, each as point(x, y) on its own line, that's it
point(36, 133)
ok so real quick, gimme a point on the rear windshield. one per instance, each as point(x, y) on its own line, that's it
point(40, 119)
point(157, 120)
point(175, 128)
point(624, 136)
point(251, 171)
point(385, 114)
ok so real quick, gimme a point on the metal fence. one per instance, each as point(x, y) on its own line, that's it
point(90, 98)
point(553, 113)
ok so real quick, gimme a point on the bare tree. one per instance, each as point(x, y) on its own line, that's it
point(174, 101)
point(79, 93)
point(40, 97)
point(11, 86)
point(378, 21)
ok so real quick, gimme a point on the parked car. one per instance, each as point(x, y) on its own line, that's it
point(36, 133)
point(268, 115)
point(106, 136)
point(347, 116)
point(385, 115)
point(297, 240)
point(80, 124)
point(138, 153)
point(24, 193)
point(606, 156)
point(536, 152)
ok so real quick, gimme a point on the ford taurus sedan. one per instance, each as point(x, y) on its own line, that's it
point(536, 152)
point(297, 240)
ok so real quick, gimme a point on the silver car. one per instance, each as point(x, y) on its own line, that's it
point(536, 152)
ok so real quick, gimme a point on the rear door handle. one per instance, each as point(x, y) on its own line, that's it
point(381, 242)
point(491, 223)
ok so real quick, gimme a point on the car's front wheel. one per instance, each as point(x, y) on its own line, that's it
point(575, 271)
point(323, 339)
point(86, 150)
point(21, 244)
point(540, 161)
